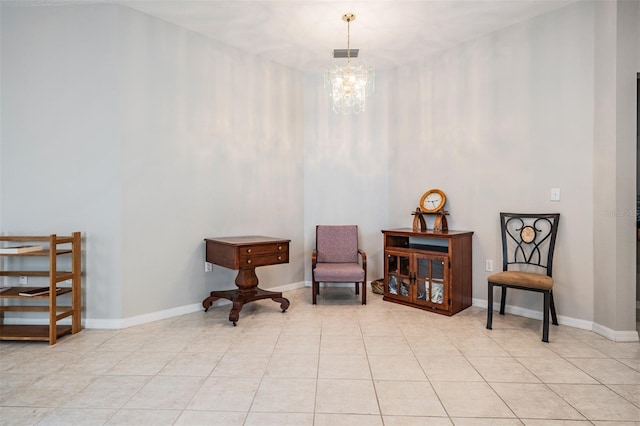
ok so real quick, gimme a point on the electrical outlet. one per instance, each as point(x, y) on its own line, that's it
point(23, 280)
point(488, 266)
point(555, 194)
point(208, 267)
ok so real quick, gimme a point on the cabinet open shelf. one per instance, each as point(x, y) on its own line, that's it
point(12, 301)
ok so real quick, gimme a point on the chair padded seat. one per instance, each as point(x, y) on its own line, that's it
point(338, 272)
point(522, 279)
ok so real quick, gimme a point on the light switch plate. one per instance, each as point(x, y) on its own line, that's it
point(555, 194)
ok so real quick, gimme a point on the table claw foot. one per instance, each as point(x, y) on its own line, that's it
point(284, 303)
point(206, 303)
point(234, 315)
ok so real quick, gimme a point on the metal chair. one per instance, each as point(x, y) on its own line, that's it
point(335, 259)
point(528, 242)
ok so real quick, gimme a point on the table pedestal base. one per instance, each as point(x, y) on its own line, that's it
point(240, 297)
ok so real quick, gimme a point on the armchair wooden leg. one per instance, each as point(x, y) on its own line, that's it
point(490, 306)
point(364, 292)
point(357, 289)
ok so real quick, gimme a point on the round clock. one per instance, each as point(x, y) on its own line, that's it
point(432, 201)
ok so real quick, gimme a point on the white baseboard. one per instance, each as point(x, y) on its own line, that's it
point(170, 313)
point(116, 324)
point(616, 336)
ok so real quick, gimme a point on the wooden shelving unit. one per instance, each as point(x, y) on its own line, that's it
point(54, 246)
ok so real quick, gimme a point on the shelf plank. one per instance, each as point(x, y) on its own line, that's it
point(14, 293)
point(39, 253)
point(60, 275)
point(31, 332)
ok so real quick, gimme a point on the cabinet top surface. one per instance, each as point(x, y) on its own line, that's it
point(427, 233)
point(247, 240)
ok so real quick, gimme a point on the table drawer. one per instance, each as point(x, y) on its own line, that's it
point(266, 259)
point(263, 249)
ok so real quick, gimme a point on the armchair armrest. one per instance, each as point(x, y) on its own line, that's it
point(314, 258)
point(363, 255)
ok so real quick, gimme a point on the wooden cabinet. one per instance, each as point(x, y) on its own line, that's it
point(59, 262)
point(430, 270)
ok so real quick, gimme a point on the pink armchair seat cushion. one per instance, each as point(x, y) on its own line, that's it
point(339, 272)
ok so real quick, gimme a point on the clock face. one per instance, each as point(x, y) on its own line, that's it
point(432, 201)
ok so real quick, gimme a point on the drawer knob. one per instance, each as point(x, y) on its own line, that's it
point(249, 261)
point(248, 250)
point(279, 257)
point(279, 247)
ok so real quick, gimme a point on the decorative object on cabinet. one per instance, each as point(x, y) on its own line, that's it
point(419, 224)
point(245, 254)
point(54, 249)
point(428, 270)
point(335, 259)
point(431, 202)
point(528, 244)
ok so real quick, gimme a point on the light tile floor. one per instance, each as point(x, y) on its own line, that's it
point(336, 363)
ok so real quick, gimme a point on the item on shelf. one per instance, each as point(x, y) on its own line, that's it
point(437, 293)
point(38, 291)
point(19, 249)
point(404, 289)
point(393, 285)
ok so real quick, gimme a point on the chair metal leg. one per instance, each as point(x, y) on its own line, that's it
point(545, 317)
point(490, 306)
point(554, 317)
point(503, 300)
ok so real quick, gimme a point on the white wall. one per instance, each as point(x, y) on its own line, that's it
point(173, 138)
point(617, 62)
point(346, 170)
point(212, 146)
point(60, 128)
point(495, 123)
point(168, 139)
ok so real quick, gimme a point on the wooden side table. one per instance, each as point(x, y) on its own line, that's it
point(245, 254)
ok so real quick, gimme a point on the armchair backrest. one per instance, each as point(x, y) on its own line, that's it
point(337, 244)
point(528, 240)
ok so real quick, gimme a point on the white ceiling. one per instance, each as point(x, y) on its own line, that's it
point(303, 33)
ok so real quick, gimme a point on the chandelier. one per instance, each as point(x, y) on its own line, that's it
point(349, 85)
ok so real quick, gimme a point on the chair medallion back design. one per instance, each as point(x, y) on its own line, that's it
point(528, 243)
point(335, 259)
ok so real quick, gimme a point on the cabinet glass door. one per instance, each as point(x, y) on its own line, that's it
point(397, 273)
point(431, 280)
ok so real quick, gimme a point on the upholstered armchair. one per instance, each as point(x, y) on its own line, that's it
point(335, 259)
